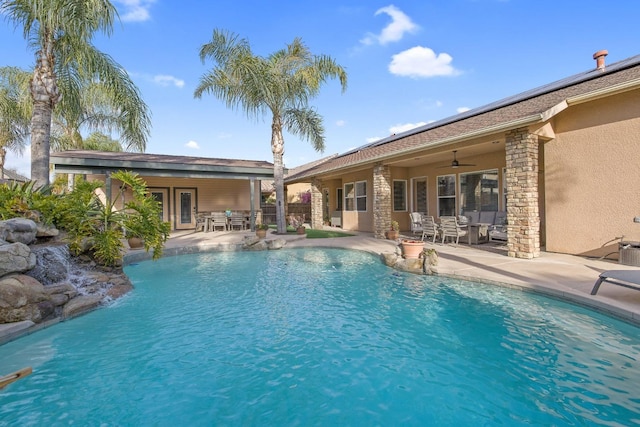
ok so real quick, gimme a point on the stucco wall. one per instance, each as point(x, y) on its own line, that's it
point(592, 176)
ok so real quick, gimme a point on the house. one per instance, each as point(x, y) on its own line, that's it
point(297, 195)
point(183, 185)
point(562, 160)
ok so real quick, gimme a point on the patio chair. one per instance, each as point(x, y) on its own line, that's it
point(218, 220)
point(449, 227)
point(416, 222)
point(498, 231)
point(237, 221)
point(625, 278)
point(201, 222)
point(429, 227)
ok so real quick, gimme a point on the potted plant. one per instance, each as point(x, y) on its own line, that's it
point(133, 231)
point(411, 249)
point(392, 234)
point(297, 223)
point(261, 230)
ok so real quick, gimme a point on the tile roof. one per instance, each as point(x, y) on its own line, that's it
point(518, 108)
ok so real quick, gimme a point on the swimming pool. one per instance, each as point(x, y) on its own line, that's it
point(322, 337)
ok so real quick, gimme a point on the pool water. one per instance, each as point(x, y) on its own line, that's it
point(322, 337)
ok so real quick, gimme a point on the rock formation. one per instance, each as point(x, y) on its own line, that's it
point(40, 282)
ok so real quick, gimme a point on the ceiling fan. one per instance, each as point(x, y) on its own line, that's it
point(455, 163)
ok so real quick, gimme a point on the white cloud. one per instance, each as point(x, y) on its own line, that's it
point(193, 145)
point(399, 26)
point(165, 80)
point(372, 139)
point(341, 123)
point(422, 62)
point(439, 104)
point(405, 127)
point(135, 10)
point(462, 109)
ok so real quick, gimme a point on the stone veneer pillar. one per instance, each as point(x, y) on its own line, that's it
point(523, 215)
point(381, 200)
point(316, 204)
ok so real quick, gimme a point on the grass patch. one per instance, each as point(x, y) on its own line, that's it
point(316, 234)
point(324, 234)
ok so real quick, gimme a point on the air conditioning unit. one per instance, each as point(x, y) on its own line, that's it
point(629, 253)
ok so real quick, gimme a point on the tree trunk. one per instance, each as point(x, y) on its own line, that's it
point(277, 147)
point(40, 134)
point(3, 155)
point(45, 94)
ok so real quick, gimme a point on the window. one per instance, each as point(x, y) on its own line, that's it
point(447, 195)
point(420, 195)
point(355, 196)
point(399, 195)
point(349, 197)
point(361, 195)
point(479, 191)
point(339, 199)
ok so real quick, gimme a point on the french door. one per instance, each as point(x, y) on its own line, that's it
point(186, 205)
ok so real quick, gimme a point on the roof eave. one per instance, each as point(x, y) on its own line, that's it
point(514, 124)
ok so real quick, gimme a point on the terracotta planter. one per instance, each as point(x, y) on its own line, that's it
point(412, 248)
point(135, 242)
point(261, 233)
point(392, 234)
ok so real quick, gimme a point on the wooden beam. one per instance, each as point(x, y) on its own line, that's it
point(15, 376)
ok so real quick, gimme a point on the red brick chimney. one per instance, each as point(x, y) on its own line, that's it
point(599, 57)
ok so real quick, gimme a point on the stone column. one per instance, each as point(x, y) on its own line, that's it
point(523, 216)
point(316, 204)
point(381, 200)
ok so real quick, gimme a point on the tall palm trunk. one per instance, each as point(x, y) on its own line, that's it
point(277, 147)
point(3, 155)
point(45, 94)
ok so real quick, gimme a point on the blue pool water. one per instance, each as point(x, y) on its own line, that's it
point(322, 337)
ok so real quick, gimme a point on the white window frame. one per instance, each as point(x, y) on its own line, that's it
point(455, 192)
point(357, 196)
point(360, 196)
point(348, 198)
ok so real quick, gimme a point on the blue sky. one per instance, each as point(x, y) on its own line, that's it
point(408, 62)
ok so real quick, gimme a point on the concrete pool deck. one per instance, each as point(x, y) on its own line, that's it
point(562, 276)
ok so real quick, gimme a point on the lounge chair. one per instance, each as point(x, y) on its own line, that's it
point(626, 278)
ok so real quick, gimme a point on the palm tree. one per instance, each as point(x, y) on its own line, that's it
point(15, 111)
point(281, 83)
point(61, 32)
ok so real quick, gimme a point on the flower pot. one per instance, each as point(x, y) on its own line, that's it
point(301, 230)
point(412, 248)
point(392, 234)
point(261, 233)
point(135, 242)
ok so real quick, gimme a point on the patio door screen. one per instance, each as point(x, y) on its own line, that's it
point(479, 191)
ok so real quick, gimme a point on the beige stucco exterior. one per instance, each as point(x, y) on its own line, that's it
point(592, 176)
